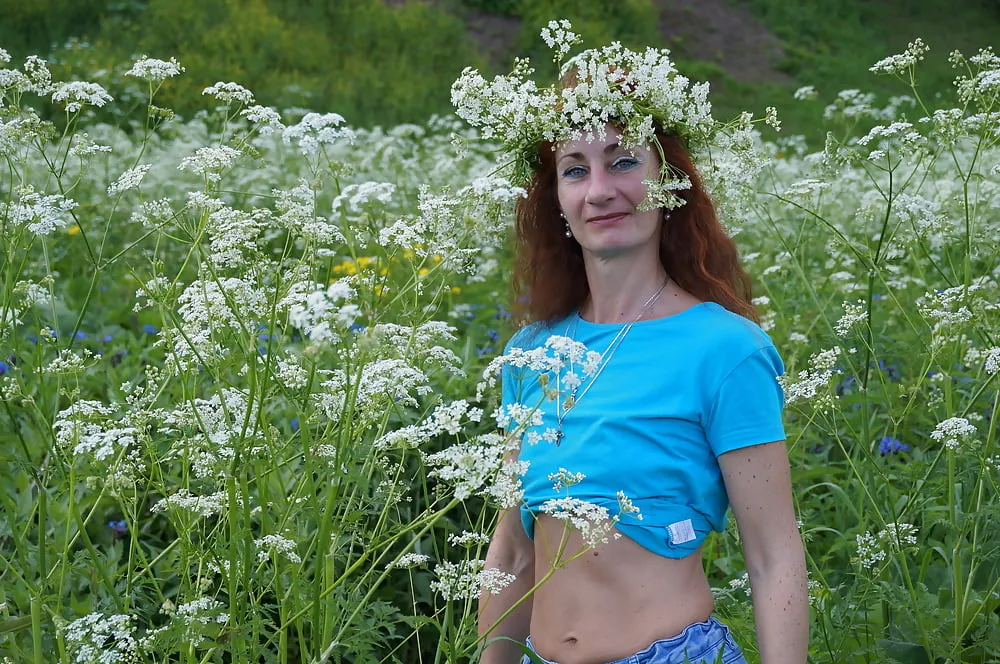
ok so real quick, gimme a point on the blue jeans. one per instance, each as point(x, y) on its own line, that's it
point(706, 642)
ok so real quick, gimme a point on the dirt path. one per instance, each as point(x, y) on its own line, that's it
point(711, 30)
point(720, 32)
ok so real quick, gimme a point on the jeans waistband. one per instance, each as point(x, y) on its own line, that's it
point(708, 641)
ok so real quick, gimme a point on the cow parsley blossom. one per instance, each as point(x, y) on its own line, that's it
point(130, 179)
point(77, 94)
point(155, 71)
point(952, 432)
point(229, 92)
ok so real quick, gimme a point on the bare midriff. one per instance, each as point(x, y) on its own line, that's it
point(613, 600)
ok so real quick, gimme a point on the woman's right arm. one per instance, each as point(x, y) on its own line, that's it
point(511, 551)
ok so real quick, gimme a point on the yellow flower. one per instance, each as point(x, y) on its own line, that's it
point(456, 290)
point(423, 271)
point(73, 230)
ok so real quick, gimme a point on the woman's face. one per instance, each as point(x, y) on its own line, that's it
point(600, 186)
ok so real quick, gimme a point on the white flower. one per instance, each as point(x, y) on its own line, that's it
point(952, 432)
point(102, 639)
point(130, 179)
point(854, 314)
point(810, 383)
point(493, 580)
point(229, 92)
point(77, 93)
point(267, 120)
point(4, 57)
point(408, 560)
point(899, 64)
point(457, 581)
point(806, 92)
point(992, 363)
point(154, 70)
point(315, 130)
point(210, 162)
point(565, 479)
point(40, 214)
point(468, 539)
point(594, 522)
point(559, 36)
point(277, 545)
point(870, 553)
point(206, 505)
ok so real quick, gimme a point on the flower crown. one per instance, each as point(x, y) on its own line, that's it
point(641, 92)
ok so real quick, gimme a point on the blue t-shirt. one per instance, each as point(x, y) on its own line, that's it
point(678, 392)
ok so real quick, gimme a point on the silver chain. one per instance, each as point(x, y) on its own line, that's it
point(562, 409)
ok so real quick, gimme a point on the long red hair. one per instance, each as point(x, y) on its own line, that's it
point(695, 250)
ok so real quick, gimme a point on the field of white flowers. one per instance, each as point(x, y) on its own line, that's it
point(241, 356)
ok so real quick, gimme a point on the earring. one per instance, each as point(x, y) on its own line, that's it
point(569, 233)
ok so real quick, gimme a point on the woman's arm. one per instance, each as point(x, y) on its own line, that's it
point(513, 552)
point(759, 485)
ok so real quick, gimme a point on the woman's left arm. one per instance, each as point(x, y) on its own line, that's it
point(759, 485)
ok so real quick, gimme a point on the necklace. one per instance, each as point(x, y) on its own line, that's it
point(563, 407)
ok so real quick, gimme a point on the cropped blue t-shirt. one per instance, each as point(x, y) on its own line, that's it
point(678, 392)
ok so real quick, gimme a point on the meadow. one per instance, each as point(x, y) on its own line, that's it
point(246, 359)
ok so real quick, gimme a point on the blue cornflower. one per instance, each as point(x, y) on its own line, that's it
point(484, 351)
point(4, 367)
point(891, 370)
point(120, 527)
point(107, 338)
point(80, 335)
point(150, 329)
point(493, 335)
point(357, 327)
point(890, 445)
point(294, 423)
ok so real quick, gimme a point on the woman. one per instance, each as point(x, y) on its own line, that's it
point(683, 413)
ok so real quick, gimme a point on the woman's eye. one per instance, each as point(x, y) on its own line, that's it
point(574, 172)
point(624, 163)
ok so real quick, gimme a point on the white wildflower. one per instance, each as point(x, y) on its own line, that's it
point(76, 94)
point(130, 179)
point(207, 505)
point(899, 64)
point(810, 383)
point(229, 92)
point(277, 545)
point(266, 120)
point(315, 130)
point(210, 162)
point(40, 214)
point(457, 581)
point(408, 560)
point(493, 580)
point(992, 363)
point(854, 314)
point(468, 539)
point(153, 70)
point(870, 552)
point(102, 639)
point(559, 36)
point(565, 479)
point(952, 432)
point(805, 93)
point(594, 522)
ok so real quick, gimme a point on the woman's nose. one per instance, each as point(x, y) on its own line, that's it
point(600, 188)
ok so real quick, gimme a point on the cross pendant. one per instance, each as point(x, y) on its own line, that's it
point(559, 436)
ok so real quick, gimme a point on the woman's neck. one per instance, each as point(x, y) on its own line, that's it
point(620, 288)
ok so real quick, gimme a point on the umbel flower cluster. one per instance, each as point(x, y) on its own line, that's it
point(641, 92)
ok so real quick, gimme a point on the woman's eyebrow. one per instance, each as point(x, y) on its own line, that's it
point(610, 148)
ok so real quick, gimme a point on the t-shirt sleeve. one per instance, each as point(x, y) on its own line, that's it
point(748, 404)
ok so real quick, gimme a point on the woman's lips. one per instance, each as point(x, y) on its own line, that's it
point(607, 219)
